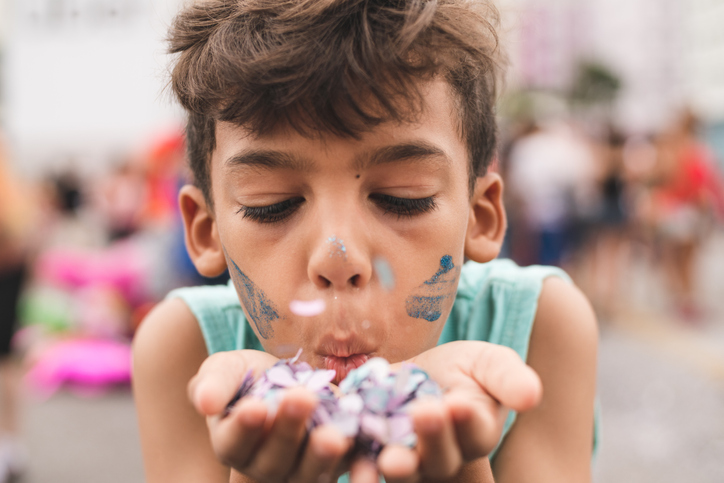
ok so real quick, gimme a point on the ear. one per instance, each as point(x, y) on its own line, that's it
point(487, 223)
point(200, 233)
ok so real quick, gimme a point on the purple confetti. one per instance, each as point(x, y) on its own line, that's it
point(386, 397)
point(373, 406)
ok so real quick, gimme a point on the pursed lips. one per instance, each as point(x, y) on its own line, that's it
point(344, 365)
point(343, 355)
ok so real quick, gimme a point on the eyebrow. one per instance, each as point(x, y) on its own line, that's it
point(268, 160)
point(417, 150)
point(271, 159)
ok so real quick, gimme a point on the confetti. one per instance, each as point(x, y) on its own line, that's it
point(373, 405)
point(286, 374)
point(386, 397)
point(308, 308)
point(384, 273)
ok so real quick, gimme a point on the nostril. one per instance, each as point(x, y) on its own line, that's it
point(354, 280)
point(324, 282)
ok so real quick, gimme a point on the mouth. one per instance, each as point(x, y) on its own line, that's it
point(344, 365)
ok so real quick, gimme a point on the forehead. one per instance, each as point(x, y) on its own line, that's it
point(434, 131)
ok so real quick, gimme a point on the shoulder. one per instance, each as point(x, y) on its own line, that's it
point(168, 350)
point(564, 320)
point(498, 302)
point(556, 438)
point(218, 315)
point(168, 328)
point(475, 277)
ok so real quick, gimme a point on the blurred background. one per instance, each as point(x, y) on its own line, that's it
point(612, 127)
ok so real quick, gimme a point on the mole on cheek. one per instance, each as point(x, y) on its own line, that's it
point(261, 310)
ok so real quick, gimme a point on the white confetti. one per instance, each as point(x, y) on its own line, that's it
point(384, 273)
point(307, 308)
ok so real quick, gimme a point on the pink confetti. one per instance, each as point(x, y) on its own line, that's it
point(308, 308)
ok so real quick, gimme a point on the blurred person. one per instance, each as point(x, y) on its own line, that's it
point(517, 244)
point(121, 199)
point(608, 238)
point(164, 176)
point(16, 215)
point(550, 174)
point(687, 195)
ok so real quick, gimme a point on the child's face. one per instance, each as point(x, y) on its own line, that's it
point(304, 219)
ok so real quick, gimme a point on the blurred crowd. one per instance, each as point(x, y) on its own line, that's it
point(82, 260)
point(592, 200)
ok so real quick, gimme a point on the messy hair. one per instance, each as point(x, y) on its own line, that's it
point(332, 66)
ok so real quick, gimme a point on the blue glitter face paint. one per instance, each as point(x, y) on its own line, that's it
point(337, 248)
point(260, 309)
point(446, 264)
point(428, 303)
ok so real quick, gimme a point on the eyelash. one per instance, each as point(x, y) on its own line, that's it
point(272, 213)
point(404, 207)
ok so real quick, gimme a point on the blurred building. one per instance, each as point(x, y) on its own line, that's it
point(668, 54)
point(83, 79)
point(87, 76)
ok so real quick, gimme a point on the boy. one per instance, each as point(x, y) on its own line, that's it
point(327, 137)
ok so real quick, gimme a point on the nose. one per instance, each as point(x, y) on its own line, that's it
point(340, 259)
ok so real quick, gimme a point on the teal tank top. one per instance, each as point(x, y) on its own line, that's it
point(495, 302)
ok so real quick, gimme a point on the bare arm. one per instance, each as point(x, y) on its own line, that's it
point(167, 352)
point(553, 442)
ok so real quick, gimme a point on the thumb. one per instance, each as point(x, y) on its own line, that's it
point(505, 376)
point(218, 378)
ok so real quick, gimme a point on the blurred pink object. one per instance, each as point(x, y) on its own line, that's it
point(89, 365)
point(122, 266)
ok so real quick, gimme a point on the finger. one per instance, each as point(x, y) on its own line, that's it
point(478, 424)
point(440, 455)
point(504, 375)
point(363, 471)
point(278, 454)
point(324, 451)
point(219, 377)
point(235, 438)
point(399, 464)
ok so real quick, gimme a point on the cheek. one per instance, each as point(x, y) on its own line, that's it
point(261, 311)
point(431, 300)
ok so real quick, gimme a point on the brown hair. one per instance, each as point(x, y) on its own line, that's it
point(317, 65)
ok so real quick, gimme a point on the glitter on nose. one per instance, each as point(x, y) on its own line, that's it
point(307, 308)
point(384, 273)
point(337, 248)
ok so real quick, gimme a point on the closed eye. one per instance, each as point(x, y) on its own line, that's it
point(274, 213)
point(403, 207)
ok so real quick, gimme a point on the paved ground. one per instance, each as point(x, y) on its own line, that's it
point(77, 440)
point(661, 387)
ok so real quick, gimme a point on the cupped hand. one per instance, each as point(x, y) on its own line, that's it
point(248, 438)
point(482, 381)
